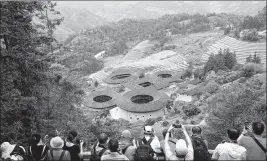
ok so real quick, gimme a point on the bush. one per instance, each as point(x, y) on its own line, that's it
point(165, 123)
point(169, 47)
point(251, 69)
point(150, 122)
point(212, 87)
point(251, 35)
point(159, 118)
point(191, 110)
point(237, 67)
point(193, 122)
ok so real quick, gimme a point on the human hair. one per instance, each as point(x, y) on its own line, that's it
point(196, 130)
point(113, 145)
point(102, 138)
point(35, 139)
point(164, 132)
point(233, 134)
point(72, 135)
point(258, 128)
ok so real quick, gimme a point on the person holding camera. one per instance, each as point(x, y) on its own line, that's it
point(75, 150)
point(254, 143)
point(183, 152)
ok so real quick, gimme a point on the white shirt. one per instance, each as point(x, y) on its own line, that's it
point(155, 144)
point(229, 151)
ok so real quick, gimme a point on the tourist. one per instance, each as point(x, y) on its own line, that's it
point(149, 134)
point(127, 144)
point(230, 150)
point(12, 151)
point(56, 152)
point(37, 150)
point(75, 150)
point(200, 145)
point(182, 151)
point(100, 147)
point(172, 141)
point(255, 144)
point(113, 146)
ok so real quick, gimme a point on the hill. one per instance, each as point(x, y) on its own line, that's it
point(117, 10)
point(76, 20)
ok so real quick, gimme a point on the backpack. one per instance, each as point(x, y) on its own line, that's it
point(144, 152)
point(94, 156)
point(18, 154)
point(200, 149)
point(61, 156)
point(31, 157)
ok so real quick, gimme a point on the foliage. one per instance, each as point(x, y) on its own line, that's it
point(191, 110)
point(226, 30)
point(199, 73)
point(150, 121)
point(251, 69)
point(256, 59)
point(258, 21)
point(24, 66)
point(225, 60)
point(231, 107)
point(250, 35)
point(159, 118)
point(165, 123)
point(212, 87)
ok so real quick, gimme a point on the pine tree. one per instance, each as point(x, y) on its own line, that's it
point(229, 59)
point(249, 59)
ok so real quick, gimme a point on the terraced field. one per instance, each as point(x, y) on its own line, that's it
point(241, 48)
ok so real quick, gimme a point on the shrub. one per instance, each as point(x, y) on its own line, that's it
point(191, 110)
point(159, 118)
point(169, 47)
point(251, 69)
point(165, 123)
point(237, 67)
point(193, 122)
point(251, 35)
point(212, 87)
point(150, 121)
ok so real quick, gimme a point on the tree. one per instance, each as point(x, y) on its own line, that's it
point(249, 59)
point(229, 59)
point(231, 107)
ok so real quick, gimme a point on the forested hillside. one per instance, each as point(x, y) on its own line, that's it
point(42, 89)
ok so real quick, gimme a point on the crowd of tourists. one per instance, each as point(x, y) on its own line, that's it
point(176, 145)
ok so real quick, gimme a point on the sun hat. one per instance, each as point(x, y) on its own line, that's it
point(56, 142)
point(126, 134)
point(148, 129)
point(6, 149)
point(181, 147)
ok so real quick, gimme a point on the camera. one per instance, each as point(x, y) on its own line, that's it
point(177, 125)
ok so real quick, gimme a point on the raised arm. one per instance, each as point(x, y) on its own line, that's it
point(168, 152)
point(81, 149)
point(188, 139)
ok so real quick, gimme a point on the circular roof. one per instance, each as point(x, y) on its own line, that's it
point(101, 98)
point(146, 100)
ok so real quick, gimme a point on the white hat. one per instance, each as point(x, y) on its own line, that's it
point(181, 147)
point(56, 142)
point(148, 129)
point(6, 149)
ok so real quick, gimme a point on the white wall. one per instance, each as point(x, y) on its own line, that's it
point(184, 98)
point(117, 113)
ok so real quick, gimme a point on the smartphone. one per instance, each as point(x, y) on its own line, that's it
point(246, 124)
